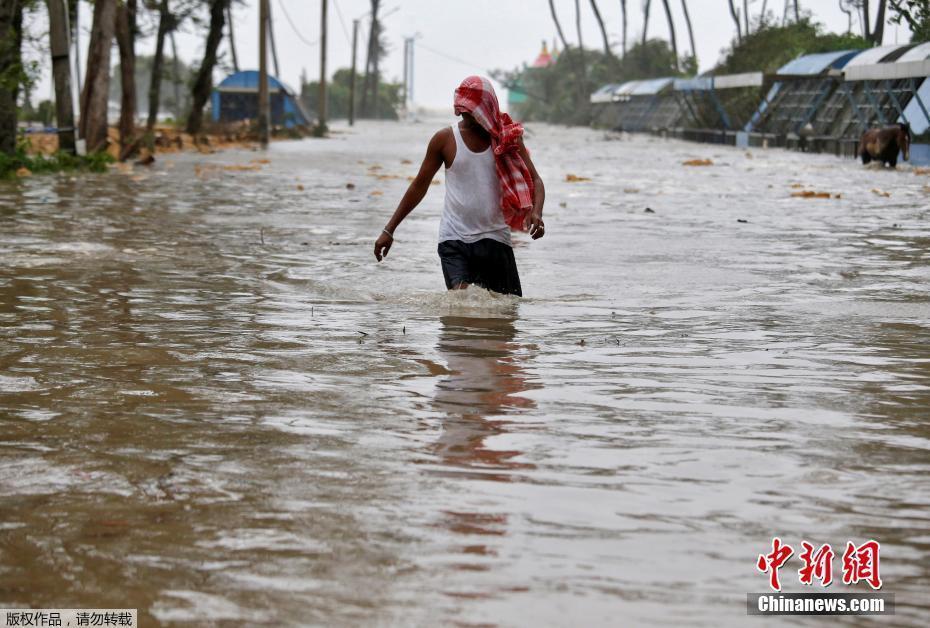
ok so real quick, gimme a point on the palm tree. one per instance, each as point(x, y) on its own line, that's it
point(204, 81)
point(600, 23)
point(734, 13)
point(671, 30)
point(623, 13)
point(583, 76)
point(126, 40)
point(95, 95)
point(558, 25)
point(684, 8)
point(646, 19)
point(878, 33)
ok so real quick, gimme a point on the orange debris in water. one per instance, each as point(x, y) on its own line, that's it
point(574, 178)
point(698, 162)
point(813, 194)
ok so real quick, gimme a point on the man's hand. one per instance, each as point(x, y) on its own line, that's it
point(534, 224)
point(383, 245)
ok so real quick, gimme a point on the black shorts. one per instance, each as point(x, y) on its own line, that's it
point(486, 263)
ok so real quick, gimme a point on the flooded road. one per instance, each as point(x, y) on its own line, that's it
point(216, 407)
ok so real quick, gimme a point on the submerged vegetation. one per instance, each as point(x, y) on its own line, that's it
point(20, 163)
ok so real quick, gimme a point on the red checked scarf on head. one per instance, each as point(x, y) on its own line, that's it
point(476, 96)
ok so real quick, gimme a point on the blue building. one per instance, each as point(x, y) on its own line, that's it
point(236, 99)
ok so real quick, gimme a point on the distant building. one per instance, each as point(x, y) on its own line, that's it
point(236, 99)
point(516, 96)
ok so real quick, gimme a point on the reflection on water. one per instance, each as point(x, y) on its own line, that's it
point(215, 407)
point(482, 387)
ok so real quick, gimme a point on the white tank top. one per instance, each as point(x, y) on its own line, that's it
point(472, 209)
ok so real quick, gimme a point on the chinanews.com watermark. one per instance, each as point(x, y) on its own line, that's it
point(860, 563)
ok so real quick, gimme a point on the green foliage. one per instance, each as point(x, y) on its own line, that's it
point(557, 93)
point(94, 162)
point(914, 13)
point(772, 46)
point(337, 96)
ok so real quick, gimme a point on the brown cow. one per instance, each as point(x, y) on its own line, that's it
point(884, 144)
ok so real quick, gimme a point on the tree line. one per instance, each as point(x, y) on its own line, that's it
point(765, 37)
point(126, 22)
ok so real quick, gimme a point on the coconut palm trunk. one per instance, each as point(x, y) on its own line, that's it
point(95, 96)
point(558, 25)
point(165, 24)
point(203, 84)
point(671, 31)
point(600, 23)
point(734, 13)
point(646, 6)
point(126, 39)
point(684, 8)
point(11, 68)
point(624, 18)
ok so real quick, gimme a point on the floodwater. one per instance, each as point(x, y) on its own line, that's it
point(216, 407)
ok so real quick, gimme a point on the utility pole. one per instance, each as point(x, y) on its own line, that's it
point(406, 69)
point(61, 71)
point(352, 74)
point(263, 121)
point(409, 90)
point(321, 124)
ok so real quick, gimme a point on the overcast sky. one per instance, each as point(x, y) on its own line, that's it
point(457, 38)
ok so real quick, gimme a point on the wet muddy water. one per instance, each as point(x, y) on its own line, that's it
point(216, 407)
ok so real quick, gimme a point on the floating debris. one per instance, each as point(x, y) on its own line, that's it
point(300, 187)
point(813, 194)
point(376, 193)
point(649, 210)
point(350, 186)
point(698, 162)
point(242, 167)
point(574, 178)
point(878, 192)
point(743, 220)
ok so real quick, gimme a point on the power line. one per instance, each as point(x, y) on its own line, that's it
point(293, 27)
point(451, 58)
point(345, 31)
point(483, 70)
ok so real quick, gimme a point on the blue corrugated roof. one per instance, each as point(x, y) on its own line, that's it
point(698, 83)
point(817, 63)
point(650, 87)
point(248, 79)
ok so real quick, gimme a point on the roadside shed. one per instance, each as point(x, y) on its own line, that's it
point(236, 99)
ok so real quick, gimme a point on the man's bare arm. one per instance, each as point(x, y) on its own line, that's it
point(415, 192)
point(534, 222)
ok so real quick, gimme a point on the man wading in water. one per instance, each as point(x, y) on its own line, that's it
point(491, 186)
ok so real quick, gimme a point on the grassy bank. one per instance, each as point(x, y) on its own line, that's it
point(21, 163)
